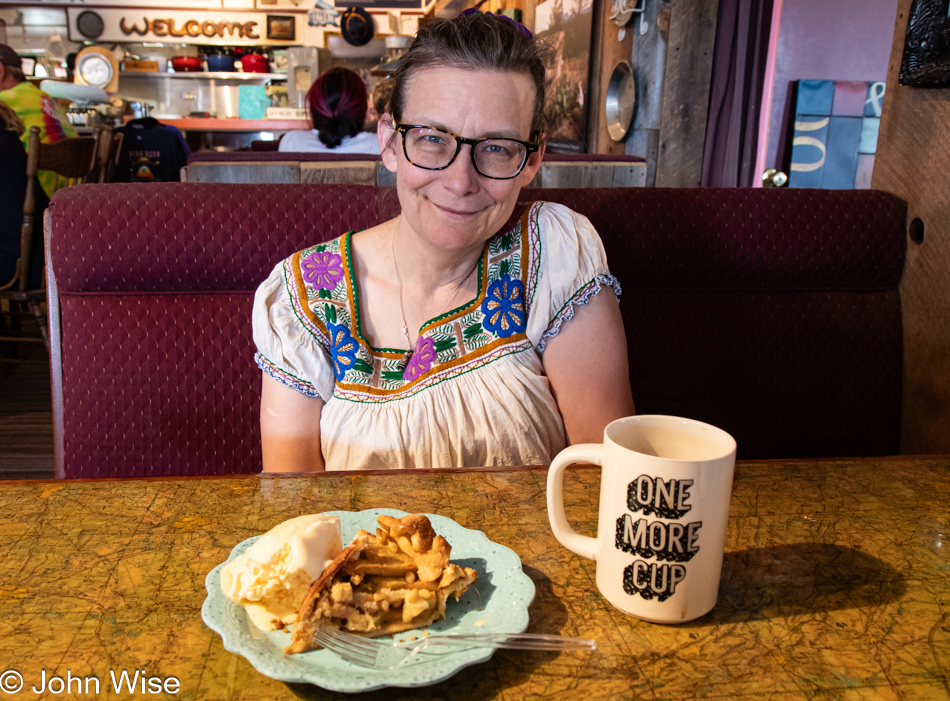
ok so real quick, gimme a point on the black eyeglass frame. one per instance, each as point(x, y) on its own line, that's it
point(530, 147)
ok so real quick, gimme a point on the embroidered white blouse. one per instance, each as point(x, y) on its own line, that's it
point(474, 391)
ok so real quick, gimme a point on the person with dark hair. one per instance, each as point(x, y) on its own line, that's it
point(337, 102)
point(12, 195)
point(34, 108)
point(453, 335)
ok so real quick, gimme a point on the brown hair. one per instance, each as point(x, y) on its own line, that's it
point(381, 96)
point(478, 42)
point(10, 120)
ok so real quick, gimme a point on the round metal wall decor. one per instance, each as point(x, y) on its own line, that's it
point(621, 101)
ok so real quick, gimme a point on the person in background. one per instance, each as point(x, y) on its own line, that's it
point(454, 334)
point(337, 102)
point(382, 92)
point(34, 108)
point(12, 194)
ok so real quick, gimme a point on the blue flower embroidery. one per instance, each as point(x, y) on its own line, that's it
point(503, 307)
point(343, 348)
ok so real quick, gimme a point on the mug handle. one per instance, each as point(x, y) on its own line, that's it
point(567, 536)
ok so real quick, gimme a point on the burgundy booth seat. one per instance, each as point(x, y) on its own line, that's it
point(771, 313)
point(268, 156)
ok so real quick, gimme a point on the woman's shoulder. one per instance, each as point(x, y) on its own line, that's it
point(301, 141)
point(304, 264)
point(553, 222)
point(550, 212)
point(365, 142)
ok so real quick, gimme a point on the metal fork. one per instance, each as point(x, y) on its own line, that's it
point(377, 654)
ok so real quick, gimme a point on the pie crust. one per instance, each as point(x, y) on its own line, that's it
point(394, 580)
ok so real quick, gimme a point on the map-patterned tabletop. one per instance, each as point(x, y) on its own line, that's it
point(836, 584)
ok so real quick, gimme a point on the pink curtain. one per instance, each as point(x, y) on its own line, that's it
point(735, 96)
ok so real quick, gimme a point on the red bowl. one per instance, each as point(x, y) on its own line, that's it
point(254, 63)
point(186, 63)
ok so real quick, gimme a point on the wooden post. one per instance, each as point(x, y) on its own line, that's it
point(29, 208)
point(913, 149)
point(685, 101)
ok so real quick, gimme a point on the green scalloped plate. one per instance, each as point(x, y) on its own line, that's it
point(498, 603)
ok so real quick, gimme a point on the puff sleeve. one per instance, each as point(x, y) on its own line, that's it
point(286, 350)
point(573, 268)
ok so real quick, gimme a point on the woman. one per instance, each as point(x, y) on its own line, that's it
point(473, 343)
point(337, 102)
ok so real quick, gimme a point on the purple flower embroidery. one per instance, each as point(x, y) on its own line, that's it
point(423, 355)
point(322, 269)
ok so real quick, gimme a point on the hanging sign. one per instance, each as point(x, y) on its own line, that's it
point(323, 15)
point(190, 27)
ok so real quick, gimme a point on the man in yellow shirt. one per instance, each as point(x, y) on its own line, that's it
point(34, 108)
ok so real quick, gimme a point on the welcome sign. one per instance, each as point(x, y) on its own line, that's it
point(186, 26)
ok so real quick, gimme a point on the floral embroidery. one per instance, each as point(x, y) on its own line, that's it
point(343, 349)
point(423, 355)
point(320, 284)
point(322, 269)
point(503, 307)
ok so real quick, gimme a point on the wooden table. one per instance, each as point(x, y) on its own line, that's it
point(836, 583)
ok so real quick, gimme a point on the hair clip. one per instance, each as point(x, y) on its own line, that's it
point(517, 25)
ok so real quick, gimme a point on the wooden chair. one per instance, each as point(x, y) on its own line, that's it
point(107, 154)
point(73, 161)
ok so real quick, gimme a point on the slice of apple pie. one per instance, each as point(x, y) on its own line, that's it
point(398, 579)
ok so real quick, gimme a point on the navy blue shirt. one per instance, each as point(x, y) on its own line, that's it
point(151, 152)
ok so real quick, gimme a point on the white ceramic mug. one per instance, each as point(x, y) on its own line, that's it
point(665, 488)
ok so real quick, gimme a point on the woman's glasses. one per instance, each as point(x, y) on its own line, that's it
point(435, 149)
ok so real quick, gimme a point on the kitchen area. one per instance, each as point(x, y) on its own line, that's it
point(225, 73)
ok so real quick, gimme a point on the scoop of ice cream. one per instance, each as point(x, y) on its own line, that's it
point(271, 579)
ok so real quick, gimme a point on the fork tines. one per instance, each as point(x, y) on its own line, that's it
point(350, 647)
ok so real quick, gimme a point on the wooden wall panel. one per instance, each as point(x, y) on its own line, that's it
point(912, 153)
point(357, 173)
point(241, 173)
point(685, 100)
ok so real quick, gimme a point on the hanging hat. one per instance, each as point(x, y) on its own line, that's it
point(357, 26)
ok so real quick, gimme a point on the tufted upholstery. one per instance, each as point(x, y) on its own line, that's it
point(771, 313)
point(268, 156)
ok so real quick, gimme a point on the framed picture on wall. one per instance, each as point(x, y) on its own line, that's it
point(565, 25)
point(926, 60)
point(281, 27)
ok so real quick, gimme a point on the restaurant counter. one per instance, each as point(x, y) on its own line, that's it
point(232, 132)
point(835, 582)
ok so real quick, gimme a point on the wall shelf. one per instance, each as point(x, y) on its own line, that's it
point(198, 75)
point(234, 124)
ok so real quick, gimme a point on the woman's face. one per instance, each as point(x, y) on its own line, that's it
point(456, 208)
